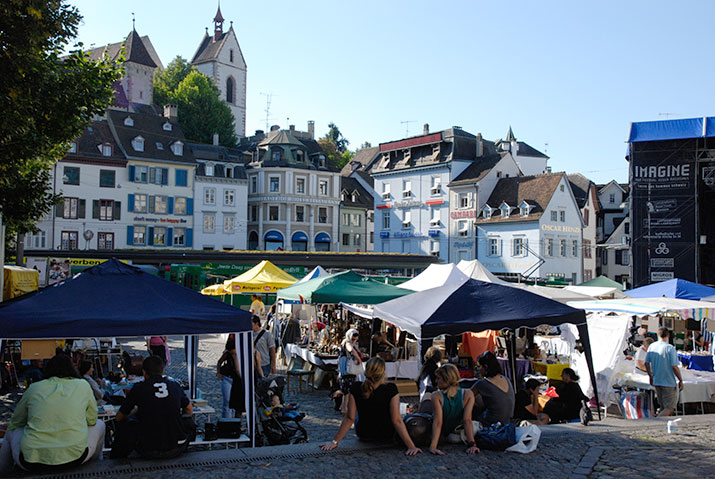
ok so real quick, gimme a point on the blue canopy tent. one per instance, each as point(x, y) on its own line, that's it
point(673, 288)
point(119, 300)
point(470, 305)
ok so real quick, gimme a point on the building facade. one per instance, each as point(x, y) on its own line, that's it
point(356, 216)
point(586, 195)
point(615, 254)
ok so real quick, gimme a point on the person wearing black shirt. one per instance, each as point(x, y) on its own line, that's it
point(568, 405)
point(157, 429)
point(526, 404)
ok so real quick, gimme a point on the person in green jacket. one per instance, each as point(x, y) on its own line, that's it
point(55, 423)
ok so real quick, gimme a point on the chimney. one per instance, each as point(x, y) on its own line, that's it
point(171, 112)
point(215, 139)
point(311, 129)
point(480, 145)
point(425, 130)
point(291, 128)
point(275, 127)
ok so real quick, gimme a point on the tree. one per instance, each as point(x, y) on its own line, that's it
point(335, 145)
point(46, 102)
point(167, 81)
point(201, 112)
point(366, 144)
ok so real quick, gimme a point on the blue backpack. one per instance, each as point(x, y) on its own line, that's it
point(496, 437)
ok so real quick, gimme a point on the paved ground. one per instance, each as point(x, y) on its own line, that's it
point(613, 448)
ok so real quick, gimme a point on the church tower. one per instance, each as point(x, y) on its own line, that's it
point(219, 57)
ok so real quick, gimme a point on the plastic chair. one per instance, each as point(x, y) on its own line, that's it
point(298, 371)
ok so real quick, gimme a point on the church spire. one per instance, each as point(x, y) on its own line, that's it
point(218, 23)
point(510, 135)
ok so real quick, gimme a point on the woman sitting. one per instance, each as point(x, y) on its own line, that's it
point(568, 405)
point(86, 370)
point(426, 381)
point(55, 423)
point(452, 408)
point(376, 404)
point(494, 395)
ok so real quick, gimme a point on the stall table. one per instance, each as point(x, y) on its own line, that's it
point(698, 386)
point(523, 367)
point(697, 362)
point(551, 371)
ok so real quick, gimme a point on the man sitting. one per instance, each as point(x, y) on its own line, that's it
point(157, 430)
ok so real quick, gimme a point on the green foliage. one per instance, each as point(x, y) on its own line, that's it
point(165, 82)
point(341, 143)
point(201, 112)
point(335, 145)
point(46, 102)
point(366, 144)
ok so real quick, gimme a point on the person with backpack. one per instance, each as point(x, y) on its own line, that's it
point(264, 343)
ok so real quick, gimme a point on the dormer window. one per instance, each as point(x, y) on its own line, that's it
point(178, 148)
point(128, 121)
point(385, 160)
point(342, 196)
point(487, 212)
point(159, 146)
point(354, 198)
point(229, 172)
point(524, 209)
point(406, 154)
point(209, 169)
point(276, 155)
point(435, 149)
point(167, 126)
point(505, 210)
point(106, 149)
point(138, 143)
point(73, 148)
point(321, 160)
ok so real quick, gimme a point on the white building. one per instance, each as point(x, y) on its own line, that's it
point(530, 228)
point(614, 206)
point(586, 194)
point(616, 254)
point(221, 193)
point(530, 160)
point(219, 57)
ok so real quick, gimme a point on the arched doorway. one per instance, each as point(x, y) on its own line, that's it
point(273, 241)
point(253, 240)
point(299, 241)
point(322, 242)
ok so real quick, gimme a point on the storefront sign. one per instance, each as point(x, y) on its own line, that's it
point(384, 234)
point(434, 202)
point(176, 221)
point(463, 244)
point(463, 214)
point(433, 233)
point(383, 207)
point(561, 228)
point(662, 275)
point(407, 204)
point(408, 234)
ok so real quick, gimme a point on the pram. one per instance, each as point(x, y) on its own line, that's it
point(280, 423)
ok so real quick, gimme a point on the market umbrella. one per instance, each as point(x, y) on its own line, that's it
point(604, 282)
point(265, 277)
point(673, 288)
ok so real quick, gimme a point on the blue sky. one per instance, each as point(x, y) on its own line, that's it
point(570, 75)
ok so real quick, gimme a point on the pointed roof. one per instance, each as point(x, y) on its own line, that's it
point(510, 135)
point(265, 277)
point(580, 185)
point(603, 282)
point(218, 18)
point(136, 51)
point(536, 190)
point(281, 138)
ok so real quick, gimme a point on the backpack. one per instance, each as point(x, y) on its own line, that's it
point(496, 437)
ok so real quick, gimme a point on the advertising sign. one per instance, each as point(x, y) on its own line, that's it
point(663, 213)
point(39, 264)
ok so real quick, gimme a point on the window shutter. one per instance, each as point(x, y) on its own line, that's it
point(95, 209)
point(117, 211)
point(189, 206)
point(60, 209)
point(169, 236)
point(526, 247)
point(152, 175)
point(81, 209)
point(130, 203)
point(189, 237)
point(170, 205)
point(499, 244)
point(132, 173)
point(130, 235)
point(151, 204)
point(181, 177)
point(150, 235)
point(165, 176)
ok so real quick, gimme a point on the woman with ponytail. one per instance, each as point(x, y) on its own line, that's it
point(377, 407)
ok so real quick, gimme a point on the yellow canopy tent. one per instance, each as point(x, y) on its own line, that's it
point(265, 277)
point(19, 281)
point(214, 290)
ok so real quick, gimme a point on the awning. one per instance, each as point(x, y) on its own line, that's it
point(322, 238)
point(299, 236)
point(273, 236)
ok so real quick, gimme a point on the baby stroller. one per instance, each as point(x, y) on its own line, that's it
point(280, 423)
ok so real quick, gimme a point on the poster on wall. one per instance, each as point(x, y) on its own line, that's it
point(39, 264)
point(663, 213)
point(59, 270)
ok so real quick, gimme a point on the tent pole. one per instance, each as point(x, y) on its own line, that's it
point(586, 343)
point(511, 349)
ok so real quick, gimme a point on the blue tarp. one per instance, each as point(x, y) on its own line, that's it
point(672, 129)
point(673, 288)
point(114, 299)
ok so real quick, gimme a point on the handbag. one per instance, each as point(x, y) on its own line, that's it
point(527, 438)
point(356, 368)
point(496, 437)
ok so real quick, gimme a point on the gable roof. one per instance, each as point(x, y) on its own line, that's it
point(477, 170)
point(97, 133)
point(580, 185)
point(362, 160)
point(135, 50)
point(535, 190)
point(364, 199)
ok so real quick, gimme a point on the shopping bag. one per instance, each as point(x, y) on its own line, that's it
point(527, 438)
point(635, 405)
point(496, 437)
point(356, 368)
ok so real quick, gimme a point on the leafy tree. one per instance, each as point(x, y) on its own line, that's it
point(366, 144)
point(167, 81)
point(46, 102)
point(201, 112)
point(335, 145)
point(341, 143)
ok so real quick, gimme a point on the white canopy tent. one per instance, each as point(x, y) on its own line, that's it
point(434, 276)
point(598, 292)
point(685, 308)
point(476, 270)
point(557, 294)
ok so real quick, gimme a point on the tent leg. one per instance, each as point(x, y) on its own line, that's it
point(586, 343)
point(511, 349)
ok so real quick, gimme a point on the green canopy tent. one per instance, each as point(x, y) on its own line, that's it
point(603, 282)
point(346, 287)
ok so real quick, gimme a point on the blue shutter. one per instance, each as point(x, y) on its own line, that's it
point(181, 178)
point(170, 205)
point(165, 176)
point(130, 203)
point(169, 236)
point(189, 206)
point(150, 236)
point(130, 235)
point(151, 204)
point(189, 237)
point(132, 172)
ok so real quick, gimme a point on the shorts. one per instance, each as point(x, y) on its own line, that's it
point(667, 396)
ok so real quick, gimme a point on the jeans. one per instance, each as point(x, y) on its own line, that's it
point(226, 383)
point(266, 370)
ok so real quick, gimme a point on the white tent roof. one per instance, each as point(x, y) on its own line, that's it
point(557, 294)
point(647, 306)
point(435, 275)
point(317, 272)
point(598, 292)
point(475, 269)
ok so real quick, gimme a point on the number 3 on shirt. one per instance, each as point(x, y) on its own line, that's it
point(161, 390)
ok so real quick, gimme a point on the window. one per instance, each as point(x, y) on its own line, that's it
point(356, 240)
point(585, 217)
point(406, 188)
point(346, 239)
point(229, 224)
point(322, 215)
point(300, 214)
point(587, 275)
point(407, 219)
point(435, 217)
point(563, 247)
point(177, 148)
point(209, 223)
point(229, 197)
point(70, 208)
point(229, 86)
point(105, 240)
point(139, 235)
point(106, 178)
point(159, 176)
point(562, 216)
point(519, 247)
point(180, 206)
point(254, 184)
point(106, 210)
point(463, 228)
point(181, 177)
point(179, 237)
point(342, 196)
point(128, 121)
point(273, 212)
point(139, 203)
point(230, 56)
point(436, 185)
point(209, 196)
point(372, 237)
point(323, 187)
point(209, 169)
point(37, 241)
point(612, 198)
point(106, 150)
point(385, 191)
point(138, 143)
point(276, 155)
point(73, 148)
point(386, 220)
point(71, 175)
point(300, 186)
point(167, 126)
point(434, 248)
point(550, 247)
point(605, 257)
point(574, 248)
point(141, 174)
point(505, 211)
point(494, 246)
point(353, 198)
point(356, 219)
point(619, 256)
point(561, 188)
point(626, 259)
point(487, 212)
point(68, 240)
point(346, 219)
point(229, 172)
point(554, 216)
point(463, 200)
point(626, 228)
point(161, 204)
point(274, 183)
point(160, 236)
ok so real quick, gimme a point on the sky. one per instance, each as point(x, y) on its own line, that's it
point(568, 77)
